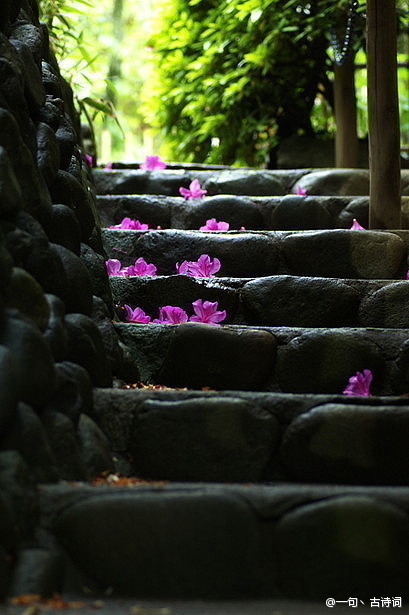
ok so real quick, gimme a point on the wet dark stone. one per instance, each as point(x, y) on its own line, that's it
point(253, 183)
point(18, 487)
point(152, 210)
point(33, 85)
point(337, 181)
point(217, 439)
point(9, 387)
point(349, 444)
point(67, 190)
point(26, 435)
point(50, 112)
point(99, 281)
point(103, 319)
point(94, 447)
point(64, 228)
point(221, 358)
point(300, 213)
point(51, 82)
point(11, 199)
point(358, 209)
point(242, 255)
point(323, 361)
point(48, 155)
point(357, 543)
point(237, 211)
point(66, 139)
point(35, 363)
point(85, 347)
point(102, 538)
point(180, 290)
point(345, 254)
point(31, 36)
point(79, 293)
point(38, 572)
point(387, 307)
point(55, 334)
point(72, 393)
point(302, 302)
point(65, 445)
point(25, 294)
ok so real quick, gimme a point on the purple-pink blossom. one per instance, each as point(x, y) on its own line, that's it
point(171, 315)
point(109, 165)
point(207, 312)
point(359, 384)
point(153, 162)
point(114, 267)
point(204, 267)
point(90, 160)
point(136, 315)
point(131, 225)
point(194, 191)
point(141, 267)
point(300, 190)
point(213, 225)
point(356, 226)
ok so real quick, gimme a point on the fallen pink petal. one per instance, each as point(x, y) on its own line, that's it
point(90, 160)
point(194, 191)
point(153, 163)
point(300, 190)
point(360, 384)
point(131, 225)
point(114, 267)
point(141, 267)
point(207, 312)
point(356, 226)
point(214, 225)
point(171, 315)
point(136, 315)
point(204, 267)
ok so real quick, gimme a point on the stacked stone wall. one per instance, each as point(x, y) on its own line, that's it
point(55, 298)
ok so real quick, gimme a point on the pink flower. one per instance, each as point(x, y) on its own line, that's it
point(114, 267)
point(136, 315)
point(194, 191)
point(203, 267)
point(300, 190)
point(153, 162)
point(129, 224)
point(213, 225)
point(171, 315)
point(407, 275)
point(141, 267)
point(359, 384)
point(206, 311)
point(356, 226)
point(90, 160)
point(109, 165)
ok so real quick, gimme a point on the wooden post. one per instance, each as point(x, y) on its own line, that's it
point(346, 137)
point(383, 115)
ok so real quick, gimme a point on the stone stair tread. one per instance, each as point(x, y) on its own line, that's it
point(281, 300)
point(287, 212)
point(287, 359)
point(221, 540)
point(324, 253)
point(238, 436)
point(239, 181)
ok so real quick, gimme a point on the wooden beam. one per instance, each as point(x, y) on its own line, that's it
point(383, 115)
point(346, 136)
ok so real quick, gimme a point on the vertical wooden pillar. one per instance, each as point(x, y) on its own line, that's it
point(346, 137)
point(383, 115)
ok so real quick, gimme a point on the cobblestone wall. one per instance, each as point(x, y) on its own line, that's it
point(54, 293)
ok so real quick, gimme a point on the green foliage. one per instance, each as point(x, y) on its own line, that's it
point(234, 77)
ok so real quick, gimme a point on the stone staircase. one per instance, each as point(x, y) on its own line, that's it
point(256, 476)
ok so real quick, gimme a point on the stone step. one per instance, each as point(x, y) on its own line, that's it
point(328, 253)
point(320, 182)
point(252, 437)
point(290, 212)
point(172, 540)
point(286, 301)
point(282, 359)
